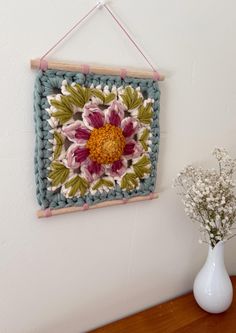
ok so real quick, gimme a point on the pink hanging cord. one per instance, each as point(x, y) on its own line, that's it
point(44, 64)
point(42, 60)
point(156, 75)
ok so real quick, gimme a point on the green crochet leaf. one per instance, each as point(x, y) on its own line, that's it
point(109, 98)
point(59, 144)
point(131, 98)
point(129, 181)
point(142, 167)
point(77, 184)
point(103, 182)
point(106, 99)
point(97, 93)
point(58, 174)
point(79, 96)
point(64, 107)
point(145, 114)
point(143, 139)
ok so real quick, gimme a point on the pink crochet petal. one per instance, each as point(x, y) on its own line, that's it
point(117, 165)
point(132, 149)
point(77, 132)
point(92, 170)
point(118, 168)
point(94, 167)
point(81, 154)
point(129, 148)
point(93, 117)
point(130, 127)
point(82, 134)
point(114, 114)
point(76, 155)
point(70, 160)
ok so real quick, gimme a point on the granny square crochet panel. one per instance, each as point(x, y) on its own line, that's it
point(97, 138)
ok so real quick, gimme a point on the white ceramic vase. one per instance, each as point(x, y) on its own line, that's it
point(212, 286)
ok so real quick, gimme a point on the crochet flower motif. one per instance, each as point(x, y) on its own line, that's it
point(101, 139)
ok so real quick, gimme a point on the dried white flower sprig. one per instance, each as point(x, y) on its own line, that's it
point(209, 197)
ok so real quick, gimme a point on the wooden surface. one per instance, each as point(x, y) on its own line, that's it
point(181, 315)
point(35, 63)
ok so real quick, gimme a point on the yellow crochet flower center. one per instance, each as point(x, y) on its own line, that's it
point(106, 144)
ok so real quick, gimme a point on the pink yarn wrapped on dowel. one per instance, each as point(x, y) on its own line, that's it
point(85, 69)
point(43, 65)
point(85, 206)
point(123, 73)
point(47, 212)
point(156, 76)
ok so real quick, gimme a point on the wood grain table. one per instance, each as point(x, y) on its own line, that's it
point(181, 315)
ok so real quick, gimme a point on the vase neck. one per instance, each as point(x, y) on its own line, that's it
point(216, 254)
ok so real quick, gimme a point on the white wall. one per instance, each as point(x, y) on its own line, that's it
point(72, 273)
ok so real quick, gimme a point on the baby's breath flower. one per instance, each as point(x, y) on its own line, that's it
point(209, 198)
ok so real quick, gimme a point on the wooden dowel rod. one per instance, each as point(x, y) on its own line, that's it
point(60, 211)
point(144, 74)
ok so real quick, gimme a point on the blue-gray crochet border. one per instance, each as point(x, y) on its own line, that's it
point(46, 83)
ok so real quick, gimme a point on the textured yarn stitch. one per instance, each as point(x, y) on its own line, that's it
point(49, 82)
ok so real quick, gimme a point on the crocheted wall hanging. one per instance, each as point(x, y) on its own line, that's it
point(97, 133)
